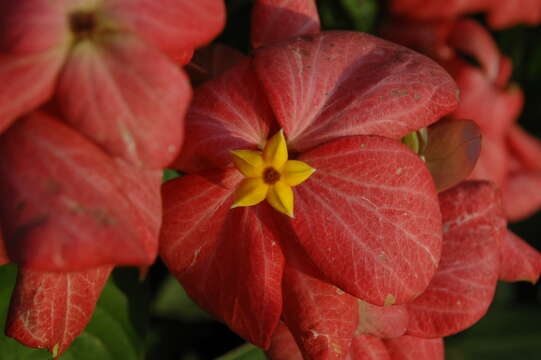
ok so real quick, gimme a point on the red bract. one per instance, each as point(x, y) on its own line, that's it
point(364, 347)
point(49, 310)
point(67, 206)
point(102, 63)
point(500, 13)
point(519, 261)
point(368, 217)
point(509, 156)
point(276, 20)
point(457, 296)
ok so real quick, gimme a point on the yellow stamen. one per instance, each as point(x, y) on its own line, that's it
point(269, 174)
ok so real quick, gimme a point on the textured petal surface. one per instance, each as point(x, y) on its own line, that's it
point(67, 206)
point(335, 84)
point(277, 20)
point(172, 25)
point(133, 109)
point(464, 285)
point(283, 345)
point(320, 316)
point(519, 260)
point(49, 310)
point(228, 261)
point(369, 218)
point(228, 113)
point(382, 321)
point(414, 348)
point(366, 347)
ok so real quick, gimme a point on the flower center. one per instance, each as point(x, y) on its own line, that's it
point(83, 23)
point(271, 176)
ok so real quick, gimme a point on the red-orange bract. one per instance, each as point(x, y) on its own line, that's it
point(74, 204)
point(335, 325)
point(368, 213)
point(500, 13)
point(509, 156)
point(103, 63)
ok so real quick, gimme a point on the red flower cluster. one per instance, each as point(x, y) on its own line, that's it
point(98, 102)
point(358, 273)
point(509, 156)
point(324, 214)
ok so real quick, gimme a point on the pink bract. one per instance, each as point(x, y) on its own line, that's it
point(509, 156)
point(457, 296)
point(49, 310)
point(369, 212)
point(103, 63)
point(68, 206)
point(500, 13)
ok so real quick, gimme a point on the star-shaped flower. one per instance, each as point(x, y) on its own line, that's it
point(269, 175)
point(370, 211)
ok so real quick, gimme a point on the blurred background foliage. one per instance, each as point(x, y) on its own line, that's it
point(155, 319)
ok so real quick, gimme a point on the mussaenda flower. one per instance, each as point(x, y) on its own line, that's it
point(367, 219)
point(269, 175)
point(459, 294)
point(108, 65)
point(510, 157)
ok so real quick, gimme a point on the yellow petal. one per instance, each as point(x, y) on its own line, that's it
point(248, 162)
point(280, 196)
point(251, 191)
point(295, 172)
point(275, 151)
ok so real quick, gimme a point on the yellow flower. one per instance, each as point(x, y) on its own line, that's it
point(269, 175)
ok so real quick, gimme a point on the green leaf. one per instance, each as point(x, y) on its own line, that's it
point(116, 331)
point(362, 13)
point(244, 352)
point(169, 174)
point(508, 331)
point(172, 302)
